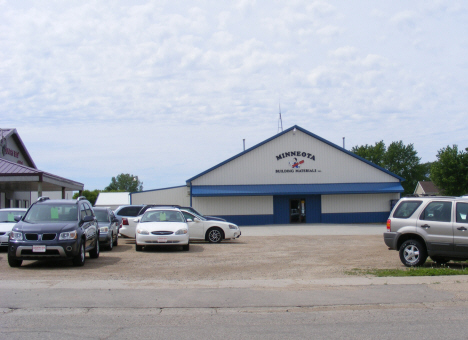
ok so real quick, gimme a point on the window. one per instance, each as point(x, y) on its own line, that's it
point(437, 211)
point(130, 211)
point(406, 208)
point(462, 212)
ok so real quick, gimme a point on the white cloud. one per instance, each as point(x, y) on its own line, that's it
point(194, 78)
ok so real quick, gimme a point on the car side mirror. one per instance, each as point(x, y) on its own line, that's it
point(189, 220)
point(115, 220)
point(136, 220)
point(88, 218)
point(197, 220)
point(17, 218)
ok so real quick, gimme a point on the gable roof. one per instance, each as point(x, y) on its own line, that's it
point(428, 187)
point(22, 148)
point(306, 132)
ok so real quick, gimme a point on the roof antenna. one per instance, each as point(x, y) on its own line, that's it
point(280, 121)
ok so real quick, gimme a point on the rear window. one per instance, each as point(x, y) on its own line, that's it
point(406, 208)
point(129, 211)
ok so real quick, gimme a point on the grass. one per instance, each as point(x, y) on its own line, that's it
point(429, 269)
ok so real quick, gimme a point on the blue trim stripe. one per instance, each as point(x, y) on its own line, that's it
point(306, 132)
point(296, 189)
point(339, 218)
point(365, 217)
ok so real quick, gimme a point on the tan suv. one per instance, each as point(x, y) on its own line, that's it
point(419, 227)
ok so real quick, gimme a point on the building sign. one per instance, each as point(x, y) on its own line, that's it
point(296, 161)
point(8, 151)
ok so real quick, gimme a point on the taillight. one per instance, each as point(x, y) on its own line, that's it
point(389, 224)
point(124, 221)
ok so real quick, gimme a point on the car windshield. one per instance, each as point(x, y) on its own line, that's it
point(162, 216)
point(101, 215)
point(9, 215)
point(39, 213)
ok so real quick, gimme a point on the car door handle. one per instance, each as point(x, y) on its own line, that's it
point(426, 226)
point(462, 228)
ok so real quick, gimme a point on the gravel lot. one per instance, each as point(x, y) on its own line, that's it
point(247, 258)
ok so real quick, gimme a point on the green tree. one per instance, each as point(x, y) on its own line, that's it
point(91, 196)
point(403, 161)
point(125, 182)
point(398, 158)
point(373, 153)
point(450, 171)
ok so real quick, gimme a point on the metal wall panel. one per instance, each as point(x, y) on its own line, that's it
point(270, 164)
point(176, 195)
point(357, 203)
point(239, 205)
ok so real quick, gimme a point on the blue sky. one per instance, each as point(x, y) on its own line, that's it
point(165, 90)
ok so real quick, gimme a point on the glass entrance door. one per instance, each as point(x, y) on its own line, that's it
point(297, 210)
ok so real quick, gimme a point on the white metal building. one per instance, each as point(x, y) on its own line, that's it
point(112, 199)
point(293, 177)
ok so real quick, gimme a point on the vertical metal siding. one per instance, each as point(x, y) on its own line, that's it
point(176, 196)
point(235, 205)
point(259, 165)
point(357, 203)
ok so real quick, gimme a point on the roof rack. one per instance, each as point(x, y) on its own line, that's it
point(43, 198)
point(81, 198)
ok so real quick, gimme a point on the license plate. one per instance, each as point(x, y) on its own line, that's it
point(162, 239)
point(39, 249)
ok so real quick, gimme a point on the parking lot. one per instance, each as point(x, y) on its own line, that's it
point(262, 253)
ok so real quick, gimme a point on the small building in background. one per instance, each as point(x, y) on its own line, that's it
point(112, 199)
point(426, 188)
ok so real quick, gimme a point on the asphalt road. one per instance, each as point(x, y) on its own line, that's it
point(55, 301)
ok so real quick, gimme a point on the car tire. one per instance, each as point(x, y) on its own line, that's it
point(439, 259)
point(79, 260)
point(14, 262)
point(111, 242)
point(186, 247)
point(214, 235)
point(138, 247)
point(413, 253)
point(116, 242)
point(94, 253)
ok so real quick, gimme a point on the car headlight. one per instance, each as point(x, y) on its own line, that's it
point(68, 235)
point(233, 226)
point(181, 231)
point(16, 236)
point(104, 229)
point(142, 232)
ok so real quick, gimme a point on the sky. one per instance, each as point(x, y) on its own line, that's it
point(164, 90)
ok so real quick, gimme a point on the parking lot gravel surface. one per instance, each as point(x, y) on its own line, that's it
point(289, 254)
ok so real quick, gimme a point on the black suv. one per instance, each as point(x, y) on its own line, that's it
point(63, 229)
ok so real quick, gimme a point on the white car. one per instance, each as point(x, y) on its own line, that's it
point(7, 222)
point(213, 231)
point(162, 227)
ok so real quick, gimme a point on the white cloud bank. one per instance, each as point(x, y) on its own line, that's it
point(167, 89)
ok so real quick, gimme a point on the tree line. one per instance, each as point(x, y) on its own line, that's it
point(120, 183)
point(449, 172)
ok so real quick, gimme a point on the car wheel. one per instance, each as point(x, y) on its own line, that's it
point(79, 260)
point(94, 253)
point(214, 235)
point(138, 247)
point(13, 262)
point(116, 242)
point(186, 247)
point(413, 253)
point(439, 259)
point(111, 242)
